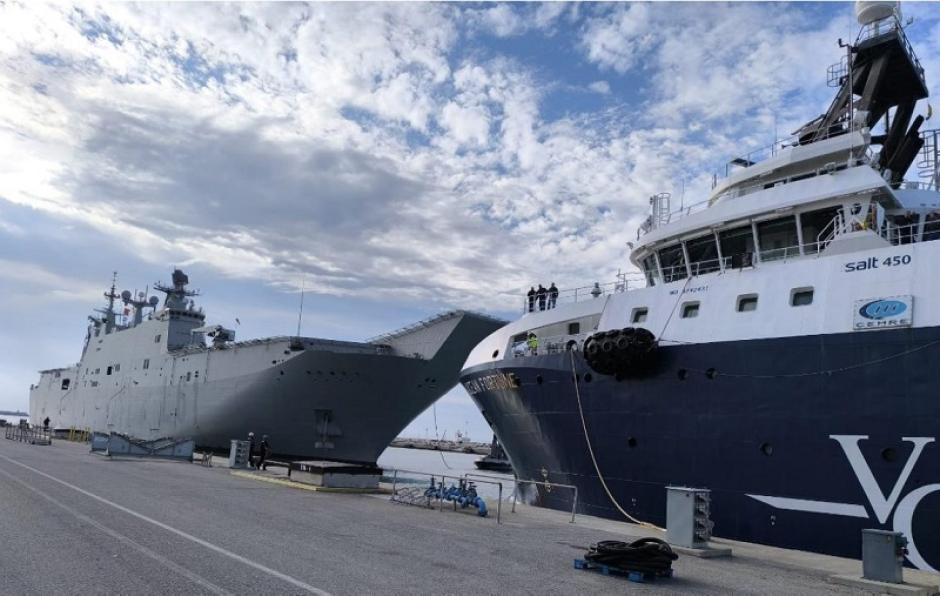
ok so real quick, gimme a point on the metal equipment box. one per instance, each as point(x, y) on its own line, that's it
point(238, 454)
point(883, 555)
point(687, 516)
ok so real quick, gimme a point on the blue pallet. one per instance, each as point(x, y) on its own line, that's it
point(640, 577)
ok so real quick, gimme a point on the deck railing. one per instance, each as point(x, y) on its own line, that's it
point(582, 293)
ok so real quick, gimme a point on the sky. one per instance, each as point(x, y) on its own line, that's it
point(396, 160)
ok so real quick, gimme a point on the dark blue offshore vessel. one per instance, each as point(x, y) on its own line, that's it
point(779, 349)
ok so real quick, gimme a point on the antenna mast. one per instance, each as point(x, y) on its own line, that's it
point(300, 315)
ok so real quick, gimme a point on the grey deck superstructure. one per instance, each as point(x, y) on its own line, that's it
point(155, 377)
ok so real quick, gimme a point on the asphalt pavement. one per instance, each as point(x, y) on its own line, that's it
point(73, 522)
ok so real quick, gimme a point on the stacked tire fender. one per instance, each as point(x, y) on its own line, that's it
point(627, 352)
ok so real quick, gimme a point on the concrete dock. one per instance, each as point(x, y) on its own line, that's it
point(73, 522)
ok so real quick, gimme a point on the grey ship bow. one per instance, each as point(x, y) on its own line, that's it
point(155, 376)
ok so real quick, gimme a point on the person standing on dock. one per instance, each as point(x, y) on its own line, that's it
point(540, 295)
point(45, 423)
point(531, 297)
point(251, 449)
point(264, 450)
point(552, 295)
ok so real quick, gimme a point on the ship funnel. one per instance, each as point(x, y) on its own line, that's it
point(869, 11)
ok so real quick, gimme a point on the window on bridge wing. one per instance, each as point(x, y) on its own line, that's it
point(777, 239)
point(649, 268)
point(673, 263)
point(931, 226)
point(816, 225)
point(703, 254)
point(737, 247)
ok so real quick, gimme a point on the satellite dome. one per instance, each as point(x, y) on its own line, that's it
point(126, 295)
point(869, 11)
point(153, 301)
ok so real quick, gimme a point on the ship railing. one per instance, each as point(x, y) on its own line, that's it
point(547, 485)
point(912, 233)
point(739, 191)
point(583, 293)
point(891, 24)
point(780, 254)
point(553, 344)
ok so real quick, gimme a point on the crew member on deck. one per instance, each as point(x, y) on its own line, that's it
point(531, 297)
point(540, 295)
point(552, 295)
point(45, 423)
point(533, 343)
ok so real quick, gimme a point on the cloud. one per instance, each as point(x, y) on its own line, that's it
point(601, 87)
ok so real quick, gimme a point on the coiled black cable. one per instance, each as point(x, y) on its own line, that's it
point(646, 555)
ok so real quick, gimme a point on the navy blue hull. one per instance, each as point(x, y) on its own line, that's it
point(760, 418)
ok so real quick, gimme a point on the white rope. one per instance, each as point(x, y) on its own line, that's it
point(577, 393)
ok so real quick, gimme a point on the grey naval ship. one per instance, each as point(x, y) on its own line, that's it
point(166, 373)
point(779, 348)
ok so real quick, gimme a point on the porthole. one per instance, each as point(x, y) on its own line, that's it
point(801, 297)
point(538, 379)
point(690, 310)
point(682, 374)
point(631, 442)
point(747, 303)
point(767, 449)
point(711, 373)
point(495, 353)
point(888, 454)
point(588, 377)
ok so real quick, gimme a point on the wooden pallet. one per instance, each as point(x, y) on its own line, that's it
point(641, 577)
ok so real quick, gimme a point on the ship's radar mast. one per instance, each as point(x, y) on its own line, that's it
point(139, 303)
point(177, 294)
point(108, 312)
point(869, 11)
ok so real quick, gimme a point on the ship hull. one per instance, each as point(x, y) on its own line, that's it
point(803, 441)
point(314, 399)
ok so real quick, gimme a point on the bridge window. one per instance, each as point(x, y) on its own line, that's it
point(816, 226)
point(673, 263)
point(737, 246)
point(65, 384)
point(146, 363)
point(690, 310)
point(931, 227)
point(108, 372)
point(703, 255)
point(189, 376)
point(639, 315)
point(156, 339)
point(801, 297)
point(649, 268)
point(747, 303)
point(778, 239)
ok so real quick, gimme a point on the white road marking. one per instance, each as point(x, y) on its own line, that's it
point(273, 572)
point(197, 579)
